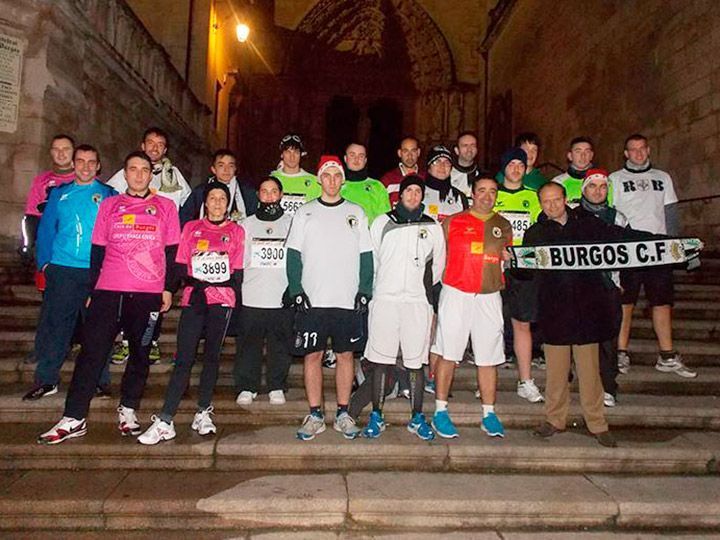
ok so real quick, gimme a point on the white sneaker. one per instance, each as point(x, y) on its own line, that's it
point(623, 360)
point(674, 365)
point(66, 428)
point(127, 421)
point(277, 397)
point(477, 394)
point(158, 431)
point(245, 397)
point(202, 423)
point(609, 400)
point(345, 424)
point(528, 390)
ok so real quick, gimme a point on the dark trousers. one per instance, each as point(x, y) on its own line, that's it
point(608, 349)
point(196, 321)
point(63, 309)
point(258, 326)
point(109, 311)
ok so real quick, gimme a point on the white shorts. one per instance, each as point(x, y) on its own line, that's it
point(479, 317)
point(399, 326)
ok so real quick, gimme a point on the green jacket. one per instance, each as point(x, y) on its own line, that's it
point(370, 194)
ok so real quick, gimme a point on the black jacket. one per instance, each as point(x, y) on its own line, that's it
point(575, 307)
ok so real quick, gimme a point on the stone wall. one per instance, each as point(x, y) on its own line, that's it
point(92, 70)
point(609, 68)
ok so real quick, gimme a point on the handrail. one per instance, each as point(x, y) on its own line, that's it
point(696, 199)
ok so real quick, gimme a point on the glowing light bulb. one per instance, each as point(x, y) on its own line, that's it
point(242, 31)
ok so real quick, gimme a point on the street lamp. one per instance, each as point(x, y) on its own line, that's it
point(242, 31)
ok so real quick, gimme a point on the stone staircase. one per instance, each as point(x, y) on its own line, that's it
point(255, 480)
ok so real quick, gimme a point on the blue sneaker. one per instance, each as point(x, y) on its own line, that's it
point(492, 425)
point(430, 386)
point(444, 427)
point(375, 426)
point(419, 426)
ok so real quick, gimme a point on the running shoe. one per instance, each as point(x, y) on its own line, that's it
point(623, 360)
point(477, 394)
point(539, 362)
point(120, 353)
point(329, 359)
point(443, 425)
point(276, 397)
point(202, 423)
point(154, 353)
point(66, 428)
point(609, 400)
point(528, 390)
point(674, 365)
point(510, 362)
point(41, 391)
point(157, 432)
point(606, 439)
point(430, 386)
point(312, 425)
point(492, 425)
point(374, 427)
point(127, 421)
point(419, 426)
point(345, 424)
point(245, 397)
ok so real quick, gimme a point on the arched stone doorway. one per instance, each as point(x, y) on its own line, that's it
point(369, 71)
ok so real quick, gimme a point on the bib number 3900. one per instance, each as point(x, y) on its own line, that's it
point(211, 267)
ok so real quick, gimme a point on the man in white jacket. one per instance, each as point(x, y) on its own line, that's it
point(409, 254)
point(167, 180)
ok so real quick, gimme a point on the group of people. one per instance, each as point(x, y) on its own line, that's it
point(403, 272)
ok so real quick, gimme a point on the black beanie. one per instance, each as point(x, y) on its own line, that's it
point(509, 155)
point(412, 179)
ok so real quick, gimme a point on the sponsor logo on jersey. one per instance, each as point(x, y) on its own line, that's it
point(308, 183)
point(497, 232)
point(352, 220)
point(476, 248)
point(423, 233)
point(269, 230)
point(151, 210)
point(197, 234)
point(643, 184)
point(96, 198)
point(64, 196)
point(202, 245)
point(128, 219)
point(225, 239)
point(526, 203)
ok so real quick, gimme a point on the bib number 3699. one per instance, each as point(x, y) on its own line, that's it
point(211, 267)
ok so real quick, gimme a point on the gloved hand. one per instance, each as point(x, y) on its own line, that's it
point(361, 303)
point(301, 303)
point(26, 255)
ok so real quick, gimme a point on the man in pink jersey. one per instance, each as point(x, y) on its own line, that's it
point(134, 242)
point(62, 172)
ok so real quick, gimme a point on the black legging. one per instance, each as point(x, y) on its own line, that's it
point(196, 321)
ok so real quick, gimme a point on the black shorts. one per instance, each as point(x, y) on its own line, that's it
point(520, 298)
point(344, 327)
point(658, 282)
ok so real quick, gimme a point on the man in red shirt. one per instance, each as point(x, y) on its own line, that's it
point(470, 303)
point(409, 154)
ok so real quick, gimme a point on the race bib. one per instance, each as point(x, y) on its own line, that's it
point(211, 266)
point(290, 202)
point(520, 222)
point(268, 253)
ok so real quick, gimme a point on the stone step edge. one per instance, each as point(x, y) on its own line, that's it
point(247, 451)
point(357, 501)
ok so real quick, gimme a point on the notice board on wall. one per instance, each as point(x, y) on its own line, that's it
point(11, 56)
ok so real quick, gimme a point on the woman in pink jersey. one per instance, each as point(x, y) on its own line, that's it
point(209, 262)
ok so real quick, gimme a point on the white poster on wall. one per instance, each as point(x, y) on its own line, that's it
point(11, 50)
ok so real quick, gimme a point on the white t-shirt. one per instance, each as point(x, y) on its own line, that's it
point(265, 276)
point(118, 182)
point(330, 240)
point(459, 179)
point(642, 197)
point(438, 208)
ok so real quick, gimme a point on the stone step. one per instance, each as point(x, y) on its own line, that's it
point(634, 410)
point(642, 379)
point(275, 449)
point(433, 502)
